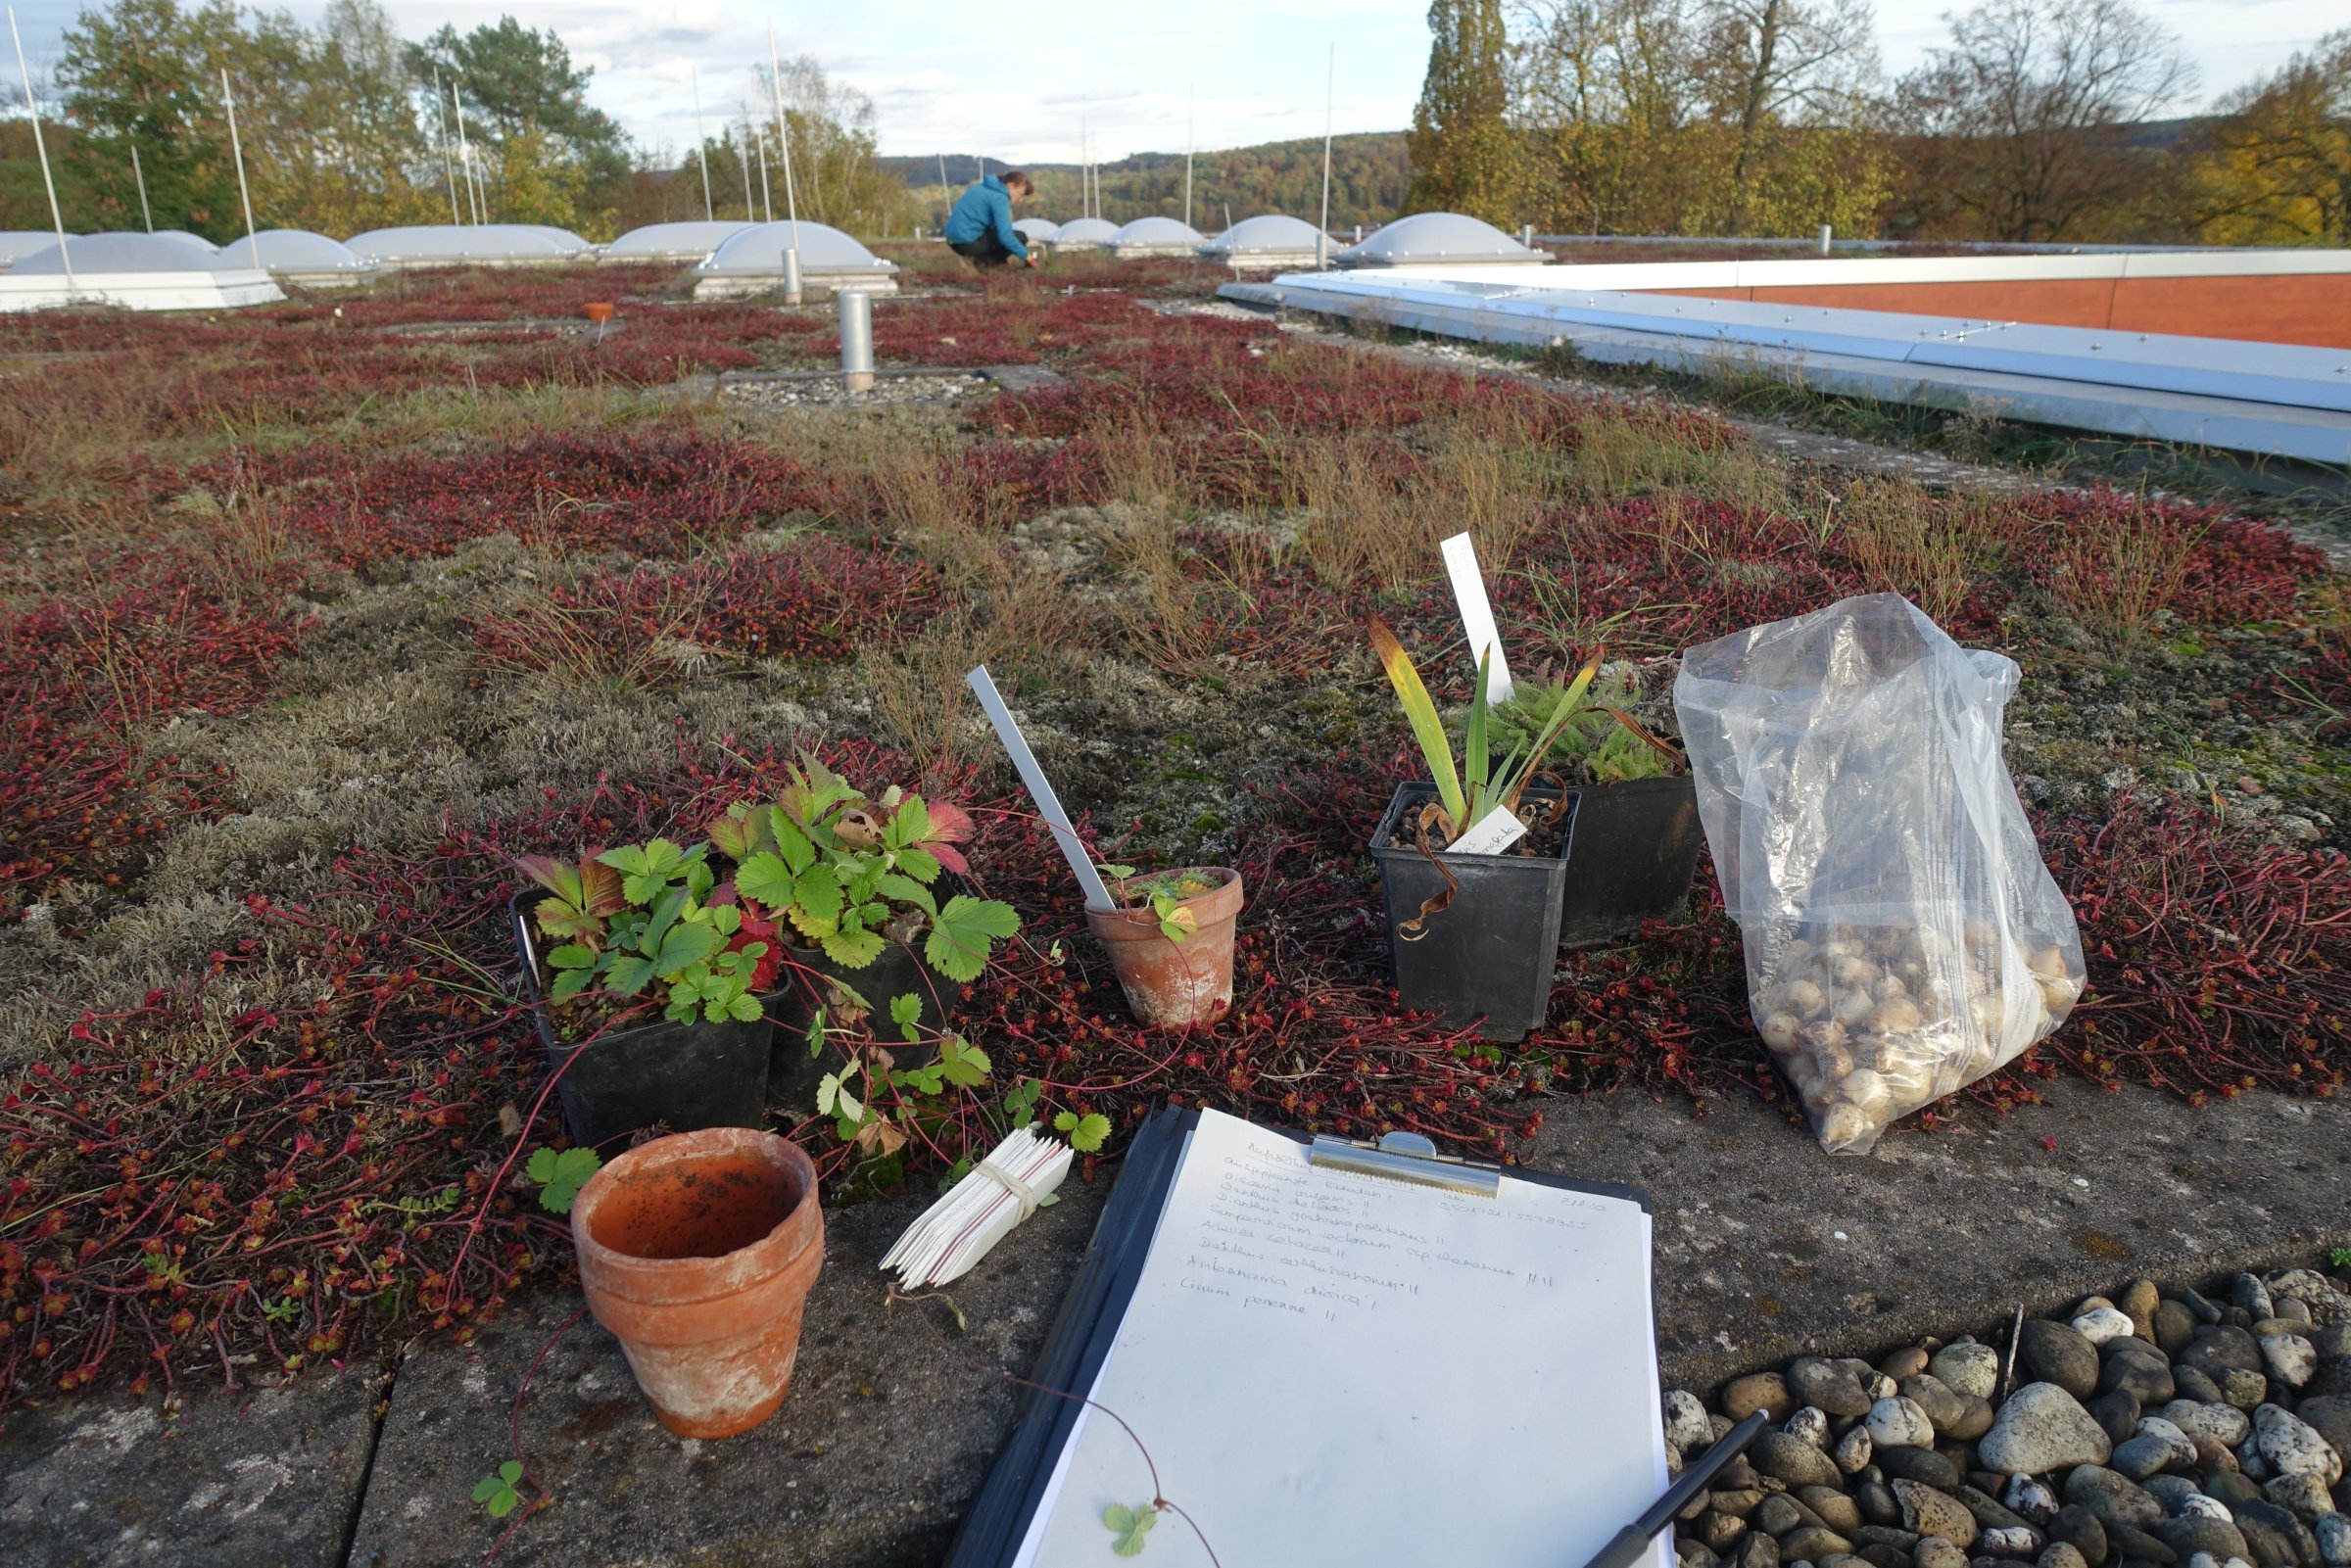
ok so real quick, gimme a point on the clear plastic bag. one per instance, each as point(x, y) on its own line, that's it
point(1903, 936)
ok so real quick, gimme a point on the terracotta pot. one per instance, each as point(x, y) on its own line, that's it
point(1174, 985)
point(599, 313)
point(698, 1251)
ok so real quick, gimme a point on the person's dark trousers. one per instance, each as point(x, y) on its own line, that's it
point(986, 249)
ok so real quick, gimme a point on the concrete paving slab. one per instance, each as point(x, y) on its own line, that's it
point(887, 1434)
point(1768, 1249)
point(267, 1479)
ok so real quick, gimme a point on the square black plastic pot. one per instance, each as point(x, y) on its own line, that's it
point(1635, 852)
point(1487, 959)
point(792, 1073)
point(681, 1076)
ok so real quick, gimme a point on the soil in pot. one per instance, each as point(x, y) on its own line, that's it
point(656, 1073)
point(1173, 984)
point(1486, 959)
point(698, 1251)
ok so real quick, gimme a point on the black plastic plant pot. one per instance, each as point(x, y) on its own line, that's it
point(801, 989)
point(680, 1077)
point(1487, 958)
point(1635, 851)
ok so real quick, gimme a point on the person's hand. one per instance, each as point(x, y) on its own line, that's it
point(1030, 258)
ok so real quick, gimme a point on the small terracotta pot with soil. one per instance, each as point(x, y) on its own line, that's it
point(1171, 984)
point(698, 1251)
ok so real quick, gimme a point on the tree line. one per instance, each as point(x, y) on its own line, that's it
point(347, 125)
point(2036, 122)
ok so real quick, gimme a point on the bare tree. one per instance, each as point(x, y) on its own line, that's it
point(2019, 121)
point(1813, 62)
point(2280, 169)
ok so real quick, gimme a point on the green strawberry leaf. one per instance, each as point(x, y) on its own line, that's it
point(906, 1013)
point(791, 841)
point(963, 1063)
point(1130, 1525)
point(628, 975)
point(854, 949)
point(745, 1009)
point(817, 890)
point(765, 877)
point(961, 938)
point(568, 984)
point(919, 864)
point(906, 890)
point(1087, 1133)
point(560, 1174)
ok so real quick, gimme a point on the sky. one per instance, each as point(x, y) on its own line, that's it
point(1022, 81)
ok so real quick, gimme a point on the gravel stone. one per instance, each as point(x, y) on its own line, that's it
point(2175, 1326)
point(1719, 1531)
point(2044, 1428)
point(1934, 1512)
point(2194, 1534)
point(2221, 1349)
point(1809, 1424)
point(2135, 1364)
point(1792, 1459)
point(2248, 1292)
point(2305, 1497)
point(1943, 1405)
point(2060, 1555)
point(2225, 1423)
point(1812, 1543)
point(1686, 1425)
point(2055, 1353)
point(2102, 1324)
point(2117, 1413)
point(1919, 1464)
point(1900, 1423)
point(1758, 1550)
point(2115, 1499)
point(2133, 1544)
point(2277, 1538)
point(1853, 1451)
point(2191, 1384)
point(2009, 1540)
point(2244, 1390)
point(2143, 1457)
point(2083, 1529)
point(1837, 1511)
point(1833, 1386)
point(2334, 1532)
point(2330, 1416)
point(1758, 1391)
point(1933, 1551)
point(1967, 1368)
point(2292, 1448)
point(1879, 1505)
point(2029, 1499)
point(2293, 1359)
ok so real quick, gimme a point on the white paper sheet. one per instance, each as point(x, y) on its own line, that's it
point(1332, 1368)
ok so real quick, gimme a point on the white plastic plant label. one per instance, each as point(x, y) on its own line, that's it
point(1477, 615)
point(1497, 831)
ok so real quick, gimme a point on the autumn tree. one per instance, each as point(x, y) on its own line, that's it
point(1784, 77)
point(2018, 129)
point(570, 161)
point(1466, 157)
point(2278, 171)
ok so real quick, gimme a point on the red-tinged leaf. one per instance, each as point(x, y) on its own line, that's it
point(949, 856)
point(558, 876)
point(950, 822)
point(602, 888)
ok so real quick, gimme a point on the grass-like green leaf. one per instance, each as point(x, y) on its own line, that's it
point(1421, 712)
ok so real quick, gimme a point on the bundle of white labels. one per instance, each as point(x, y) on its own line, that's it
point(1013, 1182)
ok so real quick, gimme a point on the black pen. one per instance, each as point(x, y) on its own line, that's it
point(1634, 1539)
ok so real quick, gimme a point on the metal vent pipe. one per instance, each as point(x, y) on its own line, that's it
point(1826, 234)
point(791, 274)
point(856, 309)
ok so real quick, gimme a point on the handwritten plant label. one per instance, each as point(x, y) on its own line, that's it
point(1497, 831)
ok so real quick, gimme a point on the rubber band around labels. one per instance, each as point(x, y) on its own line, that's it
point(1014, 1185)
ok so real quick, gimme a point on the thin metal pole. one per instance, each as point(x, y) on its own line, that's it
point(140, 176)
point(767, 191)
point(236, 149)
point(775, 80)
point(946, 194)
point(473, 184)
point(700, 151)
point(65, 254)
point(750, 214)
point(1331, 85)
point(1189, 95)
point(1085, 169)
point(449, 167)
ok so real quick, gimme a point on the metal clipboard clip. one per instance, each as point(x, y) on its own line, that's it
point(1406, 1156)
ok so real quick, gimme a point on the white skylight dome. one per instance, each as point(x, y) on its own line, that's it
point(1156, 236)
point(120, 252)
point(563, 239)
point(674, 242)
point(1085, 231)
point(297, 256)
point(192, 239)
point(135, 271)
point(460, 245)
point(1038, 230)
point(1436, 238)
point(752, 263)
point(1270, 242)
point(15, 244)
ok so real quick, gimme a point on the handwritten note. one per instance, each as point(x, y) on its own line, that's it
point(1332, 1368)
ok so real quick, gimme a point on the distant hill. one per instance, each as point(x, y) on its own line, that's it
point(1368, 175)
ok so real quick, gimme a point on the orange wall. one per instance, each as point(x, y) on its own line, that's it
point(2310, 308)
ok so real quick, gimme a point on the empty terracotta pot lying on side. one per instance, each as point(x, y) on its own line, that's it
point(698, 1251)
point(1171, 984)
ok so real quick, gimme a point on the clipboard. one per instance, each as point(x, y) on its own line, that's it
point(1087, 1325)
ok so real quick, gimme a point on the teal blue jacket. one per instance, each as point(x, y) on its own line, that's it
point(986, 207)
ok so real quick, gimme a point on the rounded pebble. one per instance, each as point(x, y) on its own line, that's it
point(2102, 1324)
point(1898, 1423)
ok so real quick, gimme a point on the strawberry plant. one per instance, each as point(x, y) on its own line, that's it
point(851, 874)
point(656, 928)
